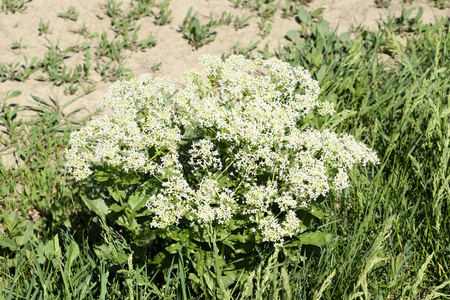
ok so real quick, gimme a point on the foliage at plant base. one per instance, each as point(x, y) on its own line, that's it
point(390, 227)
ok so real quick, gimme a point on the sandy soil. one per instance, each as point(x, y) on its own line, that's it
point(174, 52)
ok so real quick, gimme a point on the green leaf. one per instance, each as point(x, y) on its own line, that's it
point(293, 35)
point(172, 249)
point(26, 236)
point(115, 207)
point(98, 206)
point(101, 176)
point(136, 202)
point(13, 94)
point(194, 278)
point(318, 213)
point(6, 242)
point(316, 238)
point(317, 12)
point(129, 178)
point(304, 16)
point(72, 253)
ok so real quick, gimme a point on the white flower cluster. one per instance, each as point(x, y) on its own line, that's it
point(245, 116)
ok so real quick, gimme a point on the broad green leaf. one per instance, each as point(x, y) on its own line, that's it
point(98, 206)
point(112, 191)
point(293, 35)
point(136, 201)
point(304, 16)
point(194, 278)
point(174, 248)
point(26, 236)
point(6, 242)
point(115, 207)
point(72, 253)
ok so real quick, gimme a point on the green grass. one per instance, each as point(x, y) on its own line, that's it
point(392, 226)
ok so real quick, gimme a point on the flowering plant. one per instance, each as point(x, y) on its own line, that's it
point(230, 146)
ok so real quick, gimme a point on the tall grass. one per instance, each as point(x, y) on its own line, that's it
point(392, 226)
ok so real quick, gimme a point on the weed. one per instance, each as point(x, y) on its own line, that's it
point(236, 3)
point(442, 4)
point(267, 11)
point(404, 22)
point(242, 3)
point(155, 67)
point(197, 34)
point(140, 9)
point(383, 3)
point(112, 49)
point(226, 18)
point(18, 71)
point(18, 45)
point(289, 10)
point(14, 6)
point(163, 16)
point(44, 28)
point(71, 14)
point(264, 28)
point(84, 31)
point(113, 9)
point(245, 50)
point(240, 23)
point(113, 71)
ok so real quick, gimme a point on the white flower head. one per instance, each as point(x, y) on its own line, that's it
point(227, 144)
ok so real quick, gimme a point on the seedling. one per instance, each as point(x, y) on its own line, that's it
point(241, 3)
point(44, 28)
point(226, 18)
point(109, 49)
point(155, 67)
point(142, 9)
point(382, 3)
point(132, 43)
point(245, 50)
point(113, 9)
point(18, 45)
point(18, 71)
point(71, 14)
point(163, 16)
point(14, 6)
point(198, 35)
point(240, 23)
point(441, 4)
point(290, 10)
point(267, 11)
point(404, 22)
point(83, 31)
point(113, 72)
point(236, 3)
point(264, 28)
